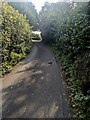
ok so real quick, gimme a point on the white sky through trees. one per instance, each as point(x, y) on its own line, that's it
point(39, 3)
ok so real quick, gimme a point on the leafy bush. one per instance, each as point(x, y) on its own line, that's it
point(67, 27)
point(29, 10)
point(16, 37)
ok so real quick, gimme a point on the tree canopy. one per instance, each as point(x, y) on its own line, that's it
point(66, 27)
point(28, 9)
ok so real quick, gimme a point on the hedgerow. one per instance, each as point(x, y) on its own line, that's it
point(16, 37)
point(66, 28)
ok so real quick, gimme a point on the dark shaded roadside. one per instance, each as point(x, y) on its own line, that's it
point(35, 88)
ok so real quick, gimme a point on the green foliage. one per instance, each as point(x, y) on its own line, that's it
point(35, 35)
point(67, 27)
point(29, 10)
point(16, 37)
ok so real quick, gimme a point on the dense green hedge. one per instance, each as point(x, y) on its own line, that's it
point(66, 27)
point(16, 37)
point(29, 10)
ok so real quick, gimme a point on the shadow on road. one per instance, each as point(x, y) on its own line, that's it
point(34, 89)
point(31, 96)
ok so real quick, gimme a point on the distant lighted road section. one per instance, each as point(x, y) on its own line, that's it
point(37, 39)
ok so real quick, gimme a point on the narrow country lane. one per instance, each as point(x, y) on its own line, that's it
point(35, 88)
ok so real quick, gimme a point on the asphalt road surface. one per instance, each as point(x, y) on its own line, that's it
point(35, 88)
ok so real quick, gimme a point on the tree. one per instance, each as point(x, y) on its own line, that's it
point(66, 27)
point(28, 9)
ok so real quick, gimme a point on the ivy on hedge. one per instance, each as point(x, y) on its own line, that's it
point(66, 27)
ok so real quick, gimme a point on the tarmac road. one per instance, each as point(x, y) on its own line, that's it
point(35, 88)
